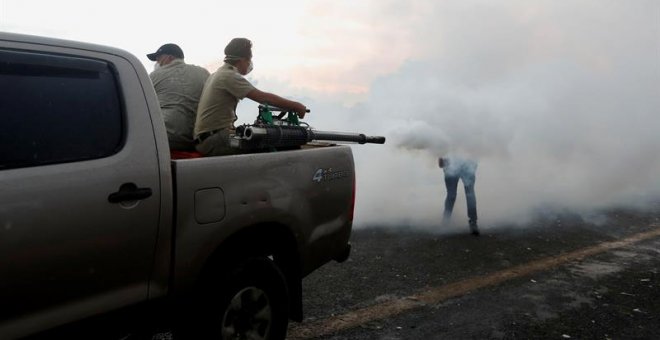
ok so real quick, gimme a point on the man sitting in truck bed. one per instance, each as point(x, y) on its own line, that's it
point(216, 112)
point(178, 86)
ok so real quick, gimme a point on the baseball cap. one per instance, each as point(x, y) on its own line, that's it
point(171, 49)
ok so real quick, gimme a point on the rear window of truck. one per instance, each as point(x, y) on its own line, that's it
point(57, 109)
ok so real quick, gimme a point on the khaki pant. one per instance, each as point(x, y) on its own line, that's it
point(217, 144)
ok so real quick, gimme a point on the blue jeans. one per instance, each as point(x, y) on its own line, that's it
point(451, 182)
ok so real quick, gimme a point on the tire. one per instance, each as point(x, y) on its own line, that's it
point(249, 301)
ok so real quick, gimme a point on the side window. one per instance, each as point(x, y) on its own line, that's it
point(56, 109)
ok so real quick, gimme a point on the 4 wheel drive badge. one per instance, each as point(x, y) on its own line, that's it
point(321, 175)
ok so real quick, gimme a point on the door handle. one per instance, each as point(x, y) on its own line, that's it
point(129, 192)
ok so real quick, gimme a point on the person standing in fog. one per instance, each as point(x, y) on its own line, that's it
point(455, 169)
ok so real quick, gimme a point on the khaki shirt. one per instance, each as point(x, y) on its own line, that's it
point(179, 86)
point(217, 106)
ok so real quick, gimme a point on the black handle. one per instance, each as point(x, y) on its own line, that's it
point(129, 192)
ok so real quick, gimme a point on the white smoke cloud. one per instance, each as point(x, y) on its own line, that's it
point(558, 101)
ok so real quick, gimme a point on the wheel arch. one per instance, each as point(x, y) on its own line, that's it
point(272, 240)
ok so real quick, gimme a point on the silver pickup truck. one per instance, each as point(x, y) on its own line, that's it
point(96, 216)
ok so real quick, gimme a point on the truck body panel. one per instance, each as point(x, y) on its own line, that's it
point(281, 191)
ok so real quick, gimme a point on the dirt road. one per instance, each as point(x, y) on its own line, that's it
point(560, 278)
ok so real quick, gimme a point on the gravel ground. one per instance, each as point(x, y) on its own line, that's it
point(608, 295)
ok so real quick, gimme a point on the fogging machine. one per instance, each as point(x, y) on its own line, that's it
point(285, 131)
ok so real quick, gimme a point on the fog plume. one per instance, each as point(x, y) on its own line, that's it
point(558, 101)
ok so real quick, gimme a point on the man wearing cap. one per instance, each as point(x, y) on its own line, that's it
point(178, 86)
point(216, 112)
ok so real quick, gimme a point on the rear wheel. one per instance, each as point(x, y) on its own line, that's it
point(250, 301)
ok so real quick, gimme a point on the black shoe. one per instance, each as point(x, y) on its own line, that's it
point(475, 229)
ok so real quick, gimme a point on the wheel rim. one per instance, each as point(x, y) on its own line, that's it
point(249, 316)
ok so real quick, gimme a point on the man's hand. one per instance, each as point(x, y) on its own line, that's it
point(300, 109)
point(273, 99)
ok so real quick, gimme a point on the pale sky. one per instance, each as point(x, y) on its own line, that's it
point(559, 100)
point(335, 47)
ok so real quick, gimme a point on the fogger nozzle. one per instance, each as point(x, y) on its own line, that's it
point(280, 136)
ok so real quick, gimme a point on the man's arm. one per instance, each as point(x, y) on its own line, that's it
point(275, 100)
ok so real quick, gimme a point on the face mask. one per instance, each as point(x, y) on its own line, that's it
point(250, 68)
point(156, 66)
